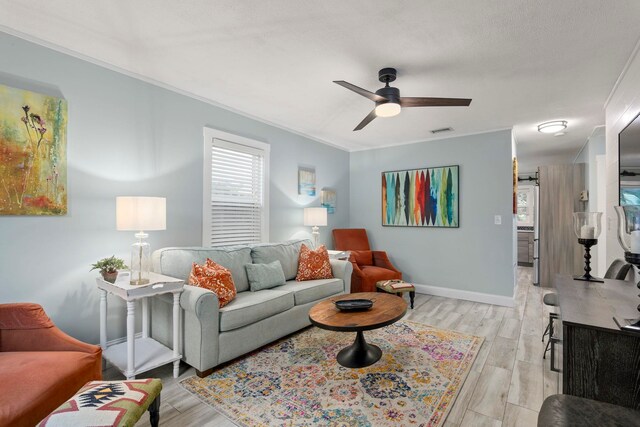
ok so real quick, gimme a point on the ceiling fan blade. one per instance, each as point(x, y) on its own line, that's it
point(372, 96)
point(366, 120)
point(434, 102)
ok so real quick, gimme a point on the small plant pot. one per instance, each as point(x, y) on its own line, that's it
point(110, 277)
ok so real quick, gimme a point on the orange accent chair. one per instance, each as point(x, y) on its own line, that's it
point(369, 267)
point(40, 366)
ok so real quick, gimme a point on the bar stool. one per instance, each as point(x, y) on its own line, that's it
point(550, 299)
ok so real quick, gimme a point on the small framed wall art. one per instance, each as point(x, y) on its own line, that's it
point(421, 197)
point(328, 200)
point(306, 181)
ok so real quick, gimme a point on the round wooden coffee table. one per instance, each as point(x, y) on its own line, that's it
point(387, 309)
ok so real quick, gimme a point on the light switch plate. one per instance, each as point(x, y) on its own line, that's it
point(497, 219)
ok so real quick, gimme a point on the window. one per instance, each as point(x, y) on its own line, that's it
point(525, 206)
point(235, 201)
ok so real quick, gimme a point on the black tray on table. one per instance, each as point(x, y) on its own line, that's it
point(354, 304)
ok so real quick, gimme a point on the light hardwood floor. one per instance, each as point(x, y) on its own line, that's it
point(506, 386)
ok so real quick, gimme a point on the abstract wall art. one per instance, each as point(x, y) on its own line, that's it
point(421, 197)
point(306, 181)
point(33, 153)
point(328, 200)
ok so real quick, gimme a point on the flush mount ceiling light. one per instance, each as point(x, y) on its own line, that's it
point(552, 127)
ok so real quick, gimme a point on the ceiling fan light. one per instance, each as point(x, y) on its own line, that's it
point(388, 109)
point(553, 126)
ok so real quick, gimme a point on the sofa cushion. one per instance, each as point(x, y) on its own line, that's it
point(287, 253)
point(34, 383)
point(215, 278)
point(313, 264)
point(313, 290)
point(251, 307)
point(265, 276)
point(177, 262)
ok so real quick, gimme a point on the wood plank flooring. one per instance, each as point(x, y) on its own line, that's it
point(505, 388)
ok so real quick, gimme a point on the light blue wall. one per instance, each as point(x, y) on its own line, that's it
point(476, 257)
point(595, 146)
point(127, 137)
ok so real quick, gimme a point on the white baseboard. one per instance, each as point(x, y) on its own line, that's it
point(465, 295)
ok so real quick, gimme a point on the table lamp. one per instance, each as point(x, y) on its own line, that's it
point(315, 217)
point(138, 214)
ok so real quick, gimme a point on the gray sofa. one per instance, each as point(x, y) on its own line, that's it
point(213, 335)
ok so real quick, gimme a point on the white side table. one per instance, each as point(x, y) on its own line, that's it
point(138, 355)
point(341, 255)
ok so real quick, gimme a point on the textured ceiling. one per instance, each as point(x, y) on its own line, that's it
point(522, 61)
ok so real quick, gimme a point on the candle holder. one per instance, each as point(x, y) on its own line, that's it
point(586, 225)
point(629, 239)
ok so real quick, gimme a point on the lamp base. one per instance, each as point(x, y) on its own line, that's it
point(315, 232)
point(140, 261)
point(587, 277)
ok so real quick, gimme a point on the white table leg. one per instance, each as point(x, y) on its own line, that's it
point(103, 319)
point(176, 333)
point(145, 317)
point(131, 340)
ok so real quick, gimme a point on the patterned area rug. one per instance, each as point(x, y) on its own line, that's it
point(298, 382)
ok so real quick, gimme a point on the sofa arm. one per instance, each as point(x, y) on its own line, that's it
point(200, 325)
point(342, 270)
point(380, 259)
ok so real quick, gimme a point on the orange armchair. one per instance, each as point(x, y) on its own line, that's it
point(369, 266)
point(40, 366)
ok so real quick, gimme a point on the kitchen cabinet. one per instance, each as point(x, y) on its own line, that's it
point(525, 248)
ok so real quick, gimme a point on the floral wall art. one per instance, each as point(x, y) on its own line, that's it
point(33, 153)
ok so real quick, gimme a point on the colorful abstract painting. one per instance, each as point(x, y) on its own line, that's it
point(421, 197)
point(328, 200)
point(306, 181)
point(33, 153)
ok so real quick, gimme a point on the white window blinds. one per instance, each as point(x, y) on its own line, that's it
point(236, 212)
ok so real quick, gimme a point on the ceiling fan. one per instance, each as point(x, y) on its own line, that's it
point(388, 100)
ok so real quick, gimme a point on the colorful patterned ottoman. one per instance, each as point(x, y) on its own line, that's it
point(109, 403)
point(397, 287)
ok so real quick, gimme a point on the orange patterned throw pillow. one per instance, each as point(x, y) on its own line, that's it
point(216, 278)
point(313, 264)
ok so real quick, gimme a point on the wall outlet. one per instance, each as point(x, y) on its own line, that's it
point(497, 220)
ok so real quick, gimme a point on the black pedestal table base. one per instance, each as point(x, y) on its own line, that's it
point(359, 354)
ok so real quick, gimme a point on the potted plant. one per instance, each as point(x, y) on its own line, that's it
point(109, 268)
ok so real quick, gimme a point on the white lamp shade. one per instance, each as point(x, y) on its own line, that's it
point(315, 217)
point(141, 213)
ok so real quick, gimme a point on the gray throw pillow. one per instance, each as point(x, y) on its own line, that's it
point(265, 276)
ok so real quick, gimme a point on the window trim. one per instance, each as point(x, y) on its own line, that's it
point(234, 142)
